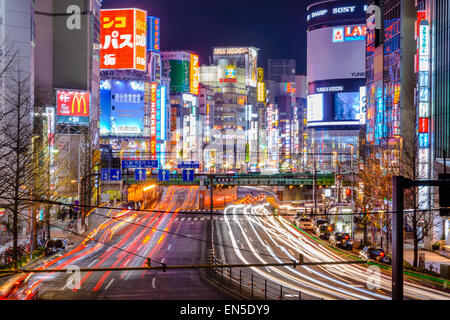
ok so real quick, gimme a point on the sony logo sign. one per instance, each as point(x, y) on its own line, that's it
point(344, 10)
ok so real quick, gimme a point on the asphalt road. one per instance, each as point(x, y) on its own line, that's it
point(250, 234)
point(127, 241)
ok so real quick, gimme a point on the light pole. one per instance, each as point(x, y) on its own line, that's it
point(121, 175)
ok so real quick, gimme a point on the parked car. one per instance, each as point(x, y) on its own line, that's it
point(374, 254)
point(323, 231)
point(319, 222)
point(341, 240)
point(55, 246)
point(304, 223)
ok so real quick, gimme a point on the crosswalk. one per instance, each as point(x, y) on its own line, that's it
point(196, 219)
point(202, 210)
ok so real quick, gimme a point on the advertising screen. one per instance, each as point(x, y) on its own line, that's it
point(336, 53)
point(347, 106)
point(251, 67)
point(72, 107)
point(327, 12)
point(105, 106)
point(127, 108)
point(315, 108)
point(179, 76)
point(123, 39)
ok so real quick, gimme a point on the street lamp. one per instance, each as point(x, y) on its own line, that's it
point(121, 175)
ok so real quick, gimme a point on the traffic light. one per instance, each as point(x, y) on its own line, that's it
point(444, 198)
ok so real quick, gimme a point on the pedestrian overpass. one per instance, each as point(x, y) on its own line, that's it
point(281, 179)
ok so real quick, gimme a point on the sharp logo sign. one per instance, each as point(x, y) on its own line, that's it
point(351, 33)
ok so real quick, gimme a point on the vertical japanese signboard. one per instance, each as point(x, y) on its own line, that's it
point(194, 76)
point(423, 106)
point(153, 34)
point(123, 39)
point(153, 111)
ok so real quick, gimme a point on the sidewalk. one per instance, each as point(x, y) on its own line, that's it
point(432, 259)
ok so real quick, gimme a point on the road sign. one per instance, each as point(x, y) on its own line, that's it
point(140, 174)
point(139, 164)
point(188, 165)
point(115, 175)
point(188, 175)
point(77, 205)
point(105, 174)
point(163, 175)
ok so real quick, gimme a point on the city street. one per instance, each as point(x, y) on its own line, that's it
point(252, 235)
point(127, 240)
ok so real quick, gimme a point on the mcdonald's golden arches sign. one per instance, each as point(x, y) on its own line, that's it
point(73, 103)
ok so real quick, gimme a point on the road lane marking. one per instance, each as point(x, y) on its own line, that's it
point(182, 219)
point(153, 283)
point(92, 263)
point(170, 246)
point(162, 261)
point(112, 280)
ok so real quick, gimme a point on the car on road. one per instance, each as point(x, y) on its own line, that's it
point(341, 240)
point(374, 254)
point(55, 246)
point(318, 222)
point(304, 223)
point(18, 287)
point(323, 231)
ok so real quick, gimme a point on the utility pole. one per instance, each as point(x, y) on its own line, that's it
point(211, 194)
point(397, 237)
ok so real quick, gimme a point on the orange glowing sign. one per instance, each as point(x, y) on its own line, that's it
point(194, 74)
point(123, 39)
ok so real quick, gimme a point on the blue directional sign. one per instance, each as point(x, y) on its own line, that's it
point(140, 174)
point(77, 205)
point(188, 175)
point(163, 175)
point(105, 174)
point(138, 164)
point(188, 165)
point(115, 175)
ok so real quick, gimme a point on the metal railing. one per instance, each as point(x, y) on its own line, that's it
point(249, 284)
point(245, 282)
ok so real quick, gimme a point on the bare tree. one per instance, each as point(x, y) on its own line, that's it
point(16, 129)
point(89, 164)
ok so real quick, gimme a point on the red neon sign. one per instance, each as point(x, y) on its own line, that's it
point(423, 125)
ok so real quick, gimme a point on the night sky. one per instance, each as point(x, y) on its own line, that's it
point(276, 27)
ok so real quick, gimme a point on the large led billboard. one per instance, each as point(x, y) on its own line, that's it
point(127, 108)
point(72, 107)
point(315, 108)
point(347, 106)
point(329, 59)
point(123, 39)
point(327, 12)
